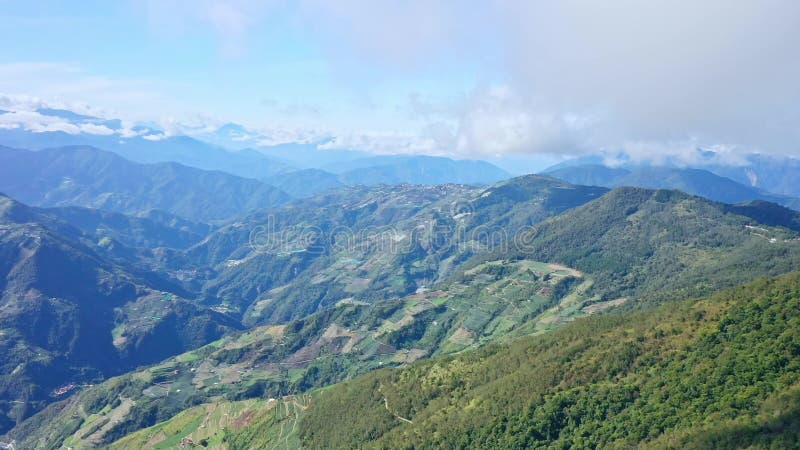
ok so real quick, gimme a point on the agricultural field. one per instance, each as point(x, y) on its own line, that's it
point(135, 318)
point(491, 302)
point(207, 425)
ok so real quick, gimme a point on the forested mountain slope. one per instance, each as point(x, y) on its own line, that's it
point(369, 243)
point(690, 180)
point(657, 245)
point(150, 229)
point(576, 251)
point(493, 303)
point(416, 169)
point(721, 372)
point(394, 169)
point(147, 147)
point(70, 316)
point(479, 304)
point(88, 177)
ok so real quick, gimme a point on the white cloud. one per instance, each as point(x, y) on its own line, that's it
point(23, 102)
point(68, 86)
point(33, 121)
point(590, 75)
point(90, 128)
point(494, 120)
point(23, 114)
point(128, 129)
point(37, 123)
point(498, 121)
point(682, 153)
point(716, 71)
point(155, 137)
point(383, 142)
point(655, 79)
point(56, 126)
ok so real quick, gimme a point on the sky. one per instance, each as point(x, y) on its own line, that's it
point(471, 79)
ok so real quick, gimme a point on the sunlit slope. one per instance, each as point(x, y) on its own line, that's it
point(370, 243)
point(70, 316)
point(658, 245)
point(491, 303)
point(721, 372)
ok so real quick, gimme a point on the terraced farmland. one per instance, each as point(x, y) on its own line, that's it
point(492, 302)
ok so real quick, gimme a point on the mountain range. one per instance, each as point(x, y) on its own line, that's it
point(369, 242)
point(566, 262)
point(693, 181)
point(285, 165)
point(121, 284)
point(88, 177)
point(168, 291)
point(70, 314)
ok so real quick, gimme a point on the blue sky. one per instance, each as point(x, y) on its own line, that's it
point(461, 78)
point(276, 70)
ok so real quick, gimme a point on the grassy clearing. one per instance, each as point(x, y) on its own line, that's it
point(206, 423)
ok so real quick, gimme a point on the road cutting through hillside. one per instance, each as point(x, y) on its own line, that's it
point(386, 405)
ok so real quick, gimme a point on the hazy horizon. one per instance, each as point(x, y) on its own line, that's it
point(524, 84)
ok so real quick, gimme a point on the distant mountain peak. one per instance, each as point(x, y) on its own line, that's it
point(696, 181)
point(67, 114)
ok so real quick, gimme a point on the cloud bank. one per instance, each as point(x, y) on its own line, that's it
point(652, 79)
point(617, 75)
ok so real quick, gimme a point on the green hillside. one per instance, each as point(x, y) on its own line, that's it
point(492, 303)
point(209, 425)
point(658, 245)
point(70, 316)
point(693, 181)
point(89, 177)
point(628, 248)
point(333, 312)
point(370, 243)
point(399, 225)
point(721, 372)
